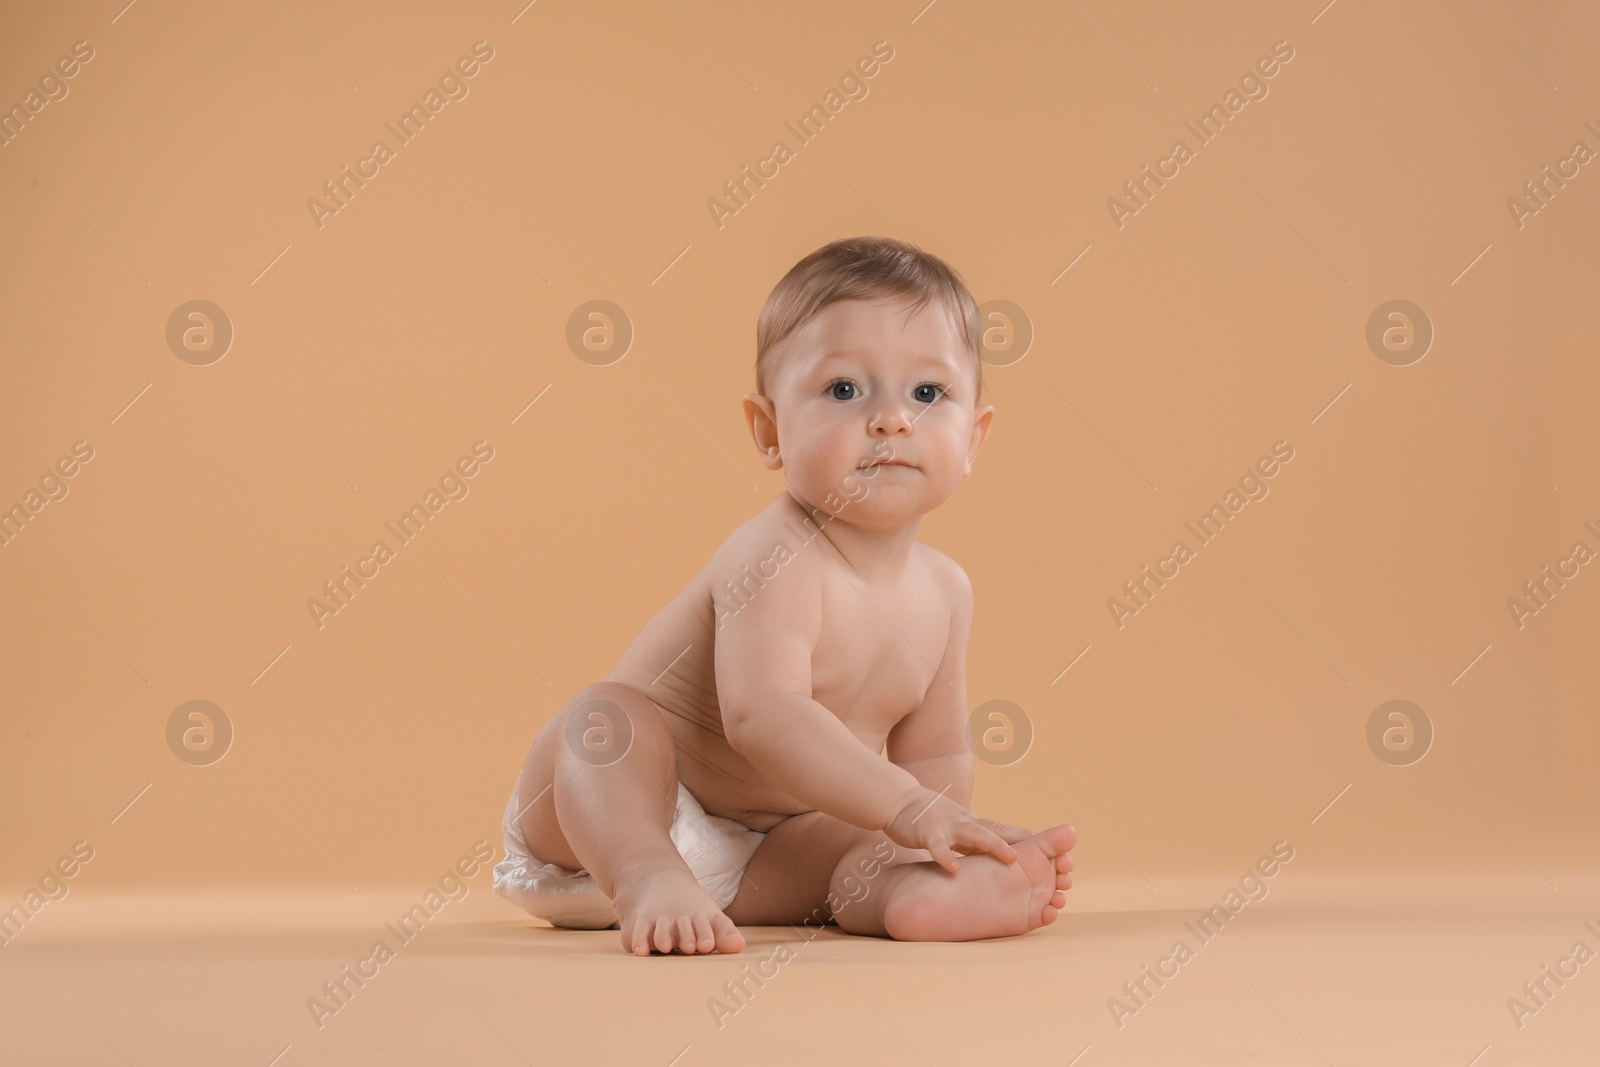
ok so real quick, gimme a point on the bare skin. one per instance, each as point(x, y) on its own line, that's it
point(817, 691)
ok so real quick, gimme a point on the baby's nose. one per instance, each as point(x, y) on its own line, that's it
point(890, 420)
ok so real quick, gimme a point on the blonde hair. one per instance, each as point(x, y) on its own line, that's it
point(857, 268)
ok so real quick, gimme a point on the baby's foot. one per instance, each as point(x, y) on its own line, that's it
point(666, 909)
point(987, 897)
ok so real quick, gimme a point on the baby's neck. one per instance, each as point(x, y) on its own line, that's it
point(878, 555)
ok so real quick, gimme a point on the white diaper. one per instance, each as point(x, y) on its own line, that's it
point(716, 849)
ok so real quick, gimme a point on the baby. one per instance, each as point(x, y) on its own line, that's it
point(731, 768)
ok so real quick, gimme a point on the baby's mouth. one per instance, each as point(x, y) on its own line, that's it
point(885, 463)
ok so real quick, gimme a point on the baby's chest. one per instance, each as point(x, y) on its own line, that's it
point(875, 658)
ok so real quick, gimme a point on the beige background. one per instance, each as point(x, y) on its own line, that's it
point(427, 314)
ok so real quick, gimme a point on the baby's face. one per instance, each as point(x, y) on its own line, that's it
point(864, 382)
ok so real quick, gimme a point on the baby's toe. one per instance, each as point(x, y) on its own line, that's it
point(663, 935)
point(1063, 837)
point(686, 935)
point(704, 940)
point(727, 936)
point(636, 938)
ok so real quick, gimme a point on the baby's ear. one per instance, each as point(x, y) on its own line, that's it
point(983, 420)
point(761, 418)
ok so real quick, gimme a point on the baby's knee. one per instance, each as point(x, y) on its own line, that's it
point(606, 721)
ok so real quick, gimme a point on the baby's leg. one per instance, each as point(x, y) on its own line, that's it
point(812, 864)
point(612, 768)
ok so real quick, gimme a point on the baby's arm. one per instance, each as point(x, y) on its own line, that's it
point(763, 669)
point(931, 742)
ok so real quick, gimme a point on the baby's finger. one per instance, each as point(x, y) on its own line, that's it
point(944, 855)
point(995, 844)
point(977, 838)
point(1010, 833)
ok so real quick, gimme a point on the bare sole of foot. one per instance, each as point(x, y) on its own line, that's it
point(986, 897)
point(667, 911)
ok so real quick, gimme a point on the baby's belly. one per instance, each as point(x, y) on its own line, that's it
point(723, 781)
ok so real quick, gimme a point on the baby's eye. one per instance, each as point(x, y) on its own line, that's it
point(928, 392)
point(835, 387)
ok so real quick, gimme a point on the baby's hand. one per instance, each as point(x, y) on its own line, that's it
point(947, 830)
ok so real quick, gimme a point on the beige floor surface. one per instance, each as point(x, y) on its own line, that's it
point(1322, 971)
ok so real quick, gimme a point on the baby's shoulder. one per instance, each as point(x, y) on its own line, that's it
point(946, 573)
point(774, 537)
